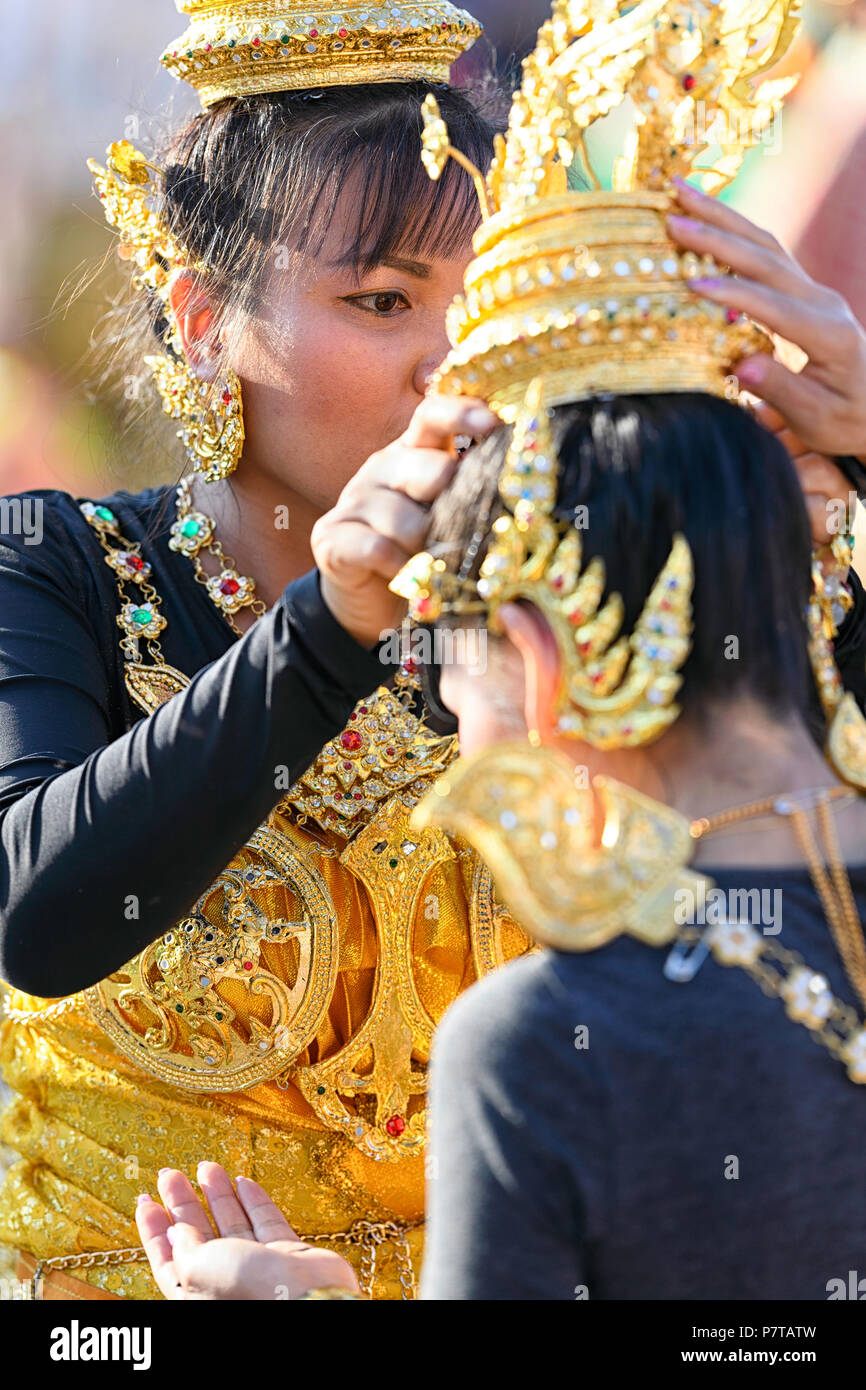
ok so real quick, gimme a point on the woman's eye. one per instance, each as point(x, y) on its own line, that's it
point(385, 303)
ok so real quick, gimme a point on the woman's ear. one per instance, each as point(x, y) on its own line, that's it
point(528, 630)
point(197, 325)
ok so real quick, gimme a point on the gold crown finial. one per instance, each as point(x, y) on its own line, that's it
point(591, 281)
point(242, 47)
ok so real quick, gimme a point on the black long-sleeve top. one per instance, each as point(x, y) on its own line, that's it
point(113, 824)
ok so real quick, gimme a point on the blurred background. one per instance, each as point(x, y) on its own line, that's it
point(77, 74)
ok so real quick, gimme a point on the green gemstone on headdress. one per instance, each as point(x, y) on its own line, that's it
point(189, 529)
point(104, 514)
point(141, 617)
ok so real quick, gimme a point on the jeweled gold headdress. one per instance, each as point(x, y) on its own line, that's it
point(616, 691)
point(241, 47)
point(588, 287)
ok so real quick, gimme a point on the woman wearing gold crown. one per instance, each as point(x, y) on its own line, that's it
point(666, 1102)
point(253, 981)
point(275, 1014)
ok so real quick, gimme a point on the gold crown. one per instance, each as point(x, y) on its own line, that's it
point(616, 691)
point(242, 47)
point(590, 284)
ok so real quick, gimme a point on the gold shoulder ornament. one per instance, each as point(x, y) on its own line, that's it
point(524, 812)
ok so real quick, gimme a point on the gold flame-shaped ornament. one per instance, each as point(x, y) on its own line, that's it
point(617, 690)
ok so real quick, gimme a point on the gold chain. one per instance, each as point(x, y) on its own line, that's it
point(836, 895)
point(368, 1234)
point(753, 810)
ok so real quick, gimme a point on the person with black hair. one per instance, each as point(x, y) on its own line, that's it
point(623, 1113)
point(628, 1122)
point(198, 910)
point(193, 969)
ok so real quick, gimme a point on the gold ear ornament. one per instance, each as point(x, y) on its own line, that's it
point(521, 809)
point(211, 415)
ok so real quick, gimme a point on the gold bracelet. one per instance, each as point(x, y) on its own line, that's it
point(332, 1291)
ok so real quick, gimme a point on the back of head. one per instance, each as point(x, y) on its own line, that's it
point(636, 470)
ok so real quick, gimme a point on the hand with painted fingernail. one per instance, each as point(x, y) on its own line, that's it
point(825, 403)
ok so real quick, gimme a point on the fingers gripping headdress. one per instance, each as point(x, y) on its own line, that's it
point(588, 286)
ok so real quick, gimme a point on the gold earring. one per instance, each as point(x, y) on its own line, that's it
point(212, 416)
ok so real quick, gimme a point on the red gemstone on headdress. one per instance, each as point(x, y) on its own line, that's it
point(423, 607)
point(351, 741)
point(585, 647)
point(208, 47)
point(248, 965)
point(256, 43)
point(229, 587)
point(314, 33)
point(344, 33)
point(390, 752)
point(558, 582)
point(576, 618)
point(227, 397)
point(359, 796)
point(665, 604)
point(135, 562)
point(410, 666)
point(395, 1126)
point(732, 315)
point(689, 82)
point(598, 678)
point(338, 796)
point(347, 767)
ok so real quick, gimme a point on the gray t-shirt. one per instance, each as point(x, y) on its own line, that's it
point(694, 1143)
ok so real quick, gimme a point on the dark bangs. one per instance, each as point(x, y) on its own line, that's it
point(253, 176)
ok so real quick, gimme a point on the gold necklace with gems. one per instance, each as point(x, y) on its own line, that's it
point(149, 684)
point(805, 993)
point(386, 751)
point(194, 532)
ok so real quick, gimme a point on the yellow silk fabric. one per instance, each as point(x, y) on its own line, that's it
point(92, 1128)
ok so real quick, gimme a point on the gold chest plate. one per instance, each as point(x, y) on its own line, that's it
point(237, 993)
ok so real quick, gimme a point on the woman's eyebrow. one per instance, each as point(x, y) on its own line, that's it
point(420, 270)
